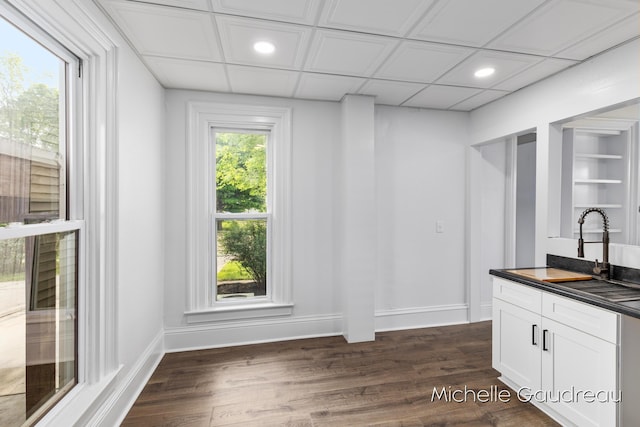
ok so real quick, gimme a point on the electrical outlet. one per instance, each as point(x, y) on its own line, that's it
point(439, 226)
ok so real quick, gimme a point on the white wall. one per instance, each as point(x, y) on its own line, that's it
point(493, 216)
point(525, 204)
point(315, 135)
point(420, 179)
point(356, 219)
point(141, 204)
point(603, 81)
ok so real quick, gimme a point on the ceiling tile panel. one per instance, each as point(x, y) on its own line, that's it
point(347, 53)
point(392, 18)
point(326, 87)
point(295, 11)
point(441, 97)
point(390, 93)
point(192, 34)
point(421, 61)
point(533, 74)
point(471, 23)
point(238, 35)
point(419, 53)
point(562, 23)
point(262, 81)
point(505, 64)
point(479, 99)
point(184, 4)
point(184, 74)
point(618, 33)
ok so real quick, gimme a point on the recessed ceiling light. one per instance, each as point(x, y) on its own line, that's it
point(264, 47)
point(484, 72)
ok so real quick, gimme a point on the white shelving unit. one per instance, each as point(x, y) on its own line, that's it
point(596, 173)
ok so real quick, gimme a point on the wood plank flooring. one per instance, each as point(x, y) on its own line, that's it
point(327, 382)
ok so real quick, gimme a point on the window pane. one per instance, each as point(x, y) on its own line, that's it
point(241, 172)
point(32, 176)
point(241, 258)
point(38, 283)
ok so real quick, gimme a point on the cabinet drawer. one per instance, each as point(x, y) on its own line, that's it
point(587, 318)
point(523, 296)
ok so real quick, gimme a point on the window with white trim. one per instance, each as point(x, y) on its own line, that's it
point(240, 213)
point(40, 219)
point(238, 186)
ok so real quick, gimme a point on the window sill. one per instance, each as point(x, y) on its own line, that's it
point(238, 312)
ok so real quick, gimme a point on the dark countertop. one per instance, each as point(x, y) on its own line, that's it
point(619, 273)
point(630, 308)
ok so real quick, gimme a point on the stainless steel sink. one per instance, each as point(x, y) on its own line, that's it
point(610, 290)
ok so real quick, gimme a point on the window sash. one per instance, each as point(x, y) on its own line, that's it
point(70, 210)
point(258, 299)
point(230, 216)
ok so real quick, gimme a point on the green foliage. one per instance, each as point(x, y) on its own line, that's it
point(28, 115)
point(38, 116)
point(246, 241)
point(241, 186)
point(12, 259)
point(231, 271)
point(241, 173)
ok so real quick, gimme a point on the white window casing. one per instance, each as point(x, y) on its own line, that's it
point(202, 117)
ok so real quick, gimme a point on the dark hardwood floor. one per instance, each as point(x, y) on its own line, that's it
point(327, 382)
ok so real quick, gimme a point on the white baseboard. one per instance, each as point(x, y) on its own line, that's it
point(129, 386)
point(81, 403)
point(197, 337)
point(421, 317)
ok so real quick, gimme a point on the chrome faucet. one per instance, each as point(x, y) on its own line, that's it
point(603, 269)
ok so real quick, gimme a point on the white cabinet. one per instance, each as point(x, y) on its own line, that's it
point(558, 351)
point(574, 363)
point(516, 344)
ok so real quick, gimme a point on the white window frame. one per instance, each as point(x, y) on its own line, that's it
point(71, 205)
point(232, 216)
point(203, 117)
point(72, 23)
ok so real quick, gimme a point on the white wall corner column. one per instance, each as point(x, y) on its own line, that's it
point(542, 193)
point(473, 246)
point(356, 212)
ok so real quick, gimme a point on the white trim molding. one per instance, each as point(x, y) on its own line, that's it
point(83, 30)
point(201, 118)
point(421, 317)
point(126, 391)
point(225, 334)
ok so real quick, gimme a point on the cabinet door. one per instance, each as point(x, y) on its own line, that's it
point(579, 375)
point(516, 344)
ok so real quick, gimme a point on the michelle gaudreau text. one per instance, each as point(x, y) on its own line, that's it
point(524, 394)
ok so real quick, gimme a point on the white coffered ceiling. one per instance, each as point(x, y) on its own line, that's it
point(417, 53)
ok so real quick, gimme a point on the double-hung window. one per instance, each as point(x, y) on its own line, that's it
point(238, 187)
point(40, 220)
point(241, 213)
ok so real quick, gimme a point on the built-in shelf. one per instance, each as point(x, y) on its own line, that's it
point(600, 205)
point(598, 156)
point(597, 181)
point(595, 174)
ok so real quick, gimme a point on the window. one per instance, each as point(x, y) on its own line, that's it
point(40, 221)
point(238, 187)
point(240, 212)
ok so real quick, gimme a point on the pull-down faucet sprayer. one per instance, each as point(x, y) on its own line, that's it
point(603, 269)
